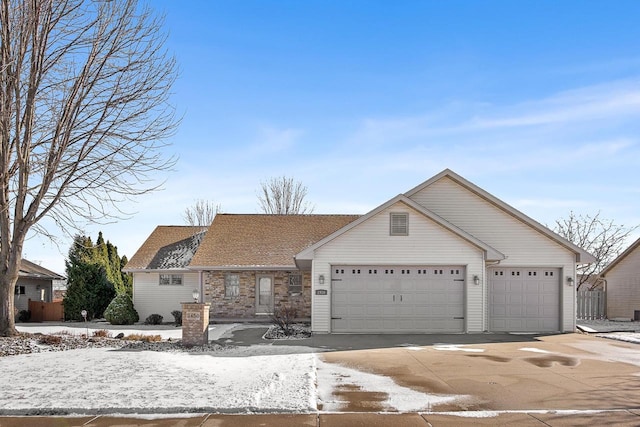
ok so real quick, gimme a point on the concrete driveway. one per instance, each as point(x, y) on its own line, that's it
point(560, 372)
point(499, 372)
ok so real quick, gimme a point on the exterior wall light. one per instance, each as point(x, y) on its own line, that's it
point(196, 295)
point(321, 279)
point(476, 280)
point(570, 281)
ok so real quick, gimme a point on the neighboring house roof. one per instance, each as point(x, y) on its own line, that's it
point(582, 256)
point(260, 240)
point(35, 271)
point(491, 253)
point(635, 245)
point(169, 247)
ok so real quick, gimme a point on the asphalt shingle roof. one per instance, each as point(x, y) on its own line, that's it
point(253, 240)
point(35, 271)
point(168, 247)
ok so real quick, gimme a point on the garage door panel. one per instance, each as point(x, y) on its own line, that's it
point(398, 299)
point(524, 299)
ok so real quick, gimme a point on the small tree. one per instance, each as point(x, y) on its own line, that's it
point(121, 311)
point(283, 196)
point(602, 238)
point(201, 213)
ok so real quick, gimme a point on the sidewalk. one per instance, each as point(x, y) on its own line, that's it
point(521, 419)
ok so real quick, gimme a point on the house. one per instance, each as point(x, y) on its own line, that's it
point(446, 256)
point(622, 284)
point(34, 283)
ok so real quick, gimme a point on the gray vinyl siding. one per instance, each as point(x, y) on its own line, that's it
point(369, 243)
point(522, 245)
point(150, 297)
point(623, 287)
point(32, 292)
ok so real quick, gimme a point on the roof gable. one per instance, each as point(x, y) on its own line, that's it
point(261, 240)
point(582, 256)
point(35, 271)
point(168, 247)
point(634, 246)
point(491, 253)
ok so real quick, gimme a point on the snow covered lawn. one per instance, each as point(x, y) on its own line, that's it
point(144, 382)
point(257, 378)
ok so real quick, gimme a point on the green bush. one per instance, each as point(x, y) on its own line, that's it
point(153, 319)
point(24, 315)
point(120, 311)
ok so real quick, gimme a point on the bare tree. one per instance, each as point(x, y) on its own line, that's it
point(283, 196)
point(601, 237)
point(84, 90)
point(201, 213)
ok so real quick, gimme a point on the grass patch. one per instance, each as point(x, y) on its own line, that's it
point(143, 338)
point(102, 333)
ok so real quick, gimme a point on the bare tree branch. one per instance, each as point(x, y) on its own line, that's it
point(202, 213)
point(283, 196)
point(602, 238)
point(84, 111)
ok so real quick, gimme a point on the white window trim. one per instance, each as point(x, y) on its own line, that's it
point(174, 279)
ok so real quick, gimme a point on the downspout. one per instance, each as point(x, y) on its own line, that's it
point(201, 285)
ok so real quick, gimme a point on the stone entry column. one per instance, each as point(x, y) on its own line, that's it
point(195, 323)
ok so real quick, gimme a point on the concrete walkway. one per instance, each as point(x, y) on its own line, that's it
point(619, 418)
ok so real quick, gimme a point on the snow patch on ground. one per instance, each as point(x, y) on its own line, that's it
point(92, 379)
point(622, 336)
point(457, 347)
point(534, 350)
point(608, 352)
point(165, 331)
point(471, 414)
point(402, 399)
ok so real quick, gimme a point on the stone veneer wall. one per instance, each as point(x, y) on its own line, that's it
point(244, 305)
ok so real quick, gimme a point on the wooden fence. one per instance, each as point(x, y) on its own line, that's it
point(44, 311)
point(591, 305)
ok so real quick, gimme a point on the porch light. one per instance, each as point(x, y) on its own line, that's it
point(570, 281)
point(321, 279)
point(476, 280)
point(196, 295)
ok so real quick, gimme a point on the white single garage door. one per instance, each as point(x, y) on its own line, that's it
point(524, 299)
point(416, 299)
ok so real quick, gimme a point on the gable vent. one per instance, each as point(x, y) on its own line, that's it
point(399, 224)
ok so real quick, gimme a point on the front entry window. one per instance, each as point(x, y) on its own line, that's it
point(264, 294)
point(265, 291)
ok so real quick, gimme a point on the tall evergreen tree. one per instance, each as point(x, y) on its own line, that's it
point(94, 275)
point(127, 278)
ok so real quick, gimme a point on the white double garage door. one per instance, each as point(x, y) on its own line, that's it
point(431, 299)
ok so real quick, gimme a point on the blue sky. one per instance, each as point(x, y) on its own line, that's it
point(536, 102)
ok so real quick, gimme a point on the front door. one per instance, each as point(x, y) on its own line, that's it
point(264, 294)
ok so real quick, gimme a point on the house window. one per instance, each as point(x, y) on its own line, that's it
point(399, 224)
point(231, 285)
point(171, 279)
point(20, 290)
point(295, 284)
